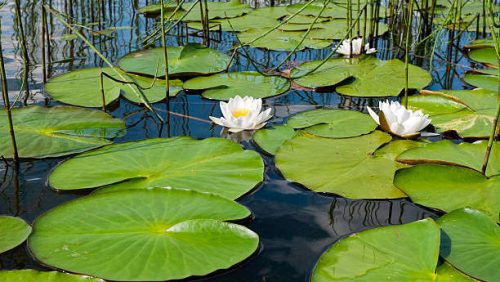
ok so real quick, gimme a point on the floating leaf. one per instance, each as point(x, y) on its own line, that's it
point(213, 165)
point(280, 40)
point(143, 235)
point(468, 112)
point(13, 232)
point(83, 88)
point(224, 86)
point(58, 131)
point(448, 153)
point(449, 188)
point(270, 139)
point(28, 275)
point(483, 51)
point(155, 9)
point(192, 59)
point(218, 10)
point(407, 252)
point(483, 78)
point(333, 123)
point(471, 243)
point(372, 77)
point(350, 167)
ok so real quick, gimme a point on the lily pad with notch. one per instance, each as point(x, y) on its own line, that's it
point(143, 235)
point(224, 86)
point(57, 131)
point(212, 165)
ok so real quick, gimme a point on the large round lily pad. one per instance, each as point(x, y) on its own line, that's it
point(143, 235)
point(407, 252)
point(447, 152)
point(83, 88)
point(13, 232)
point(350, 167)
point(212, 165)
point(450, 187)
point(470, 242)
point(218, 10)
point(333, 123)
point(28, 275)
point(372, 77)
point(470, 113)
point(224, 86)
point(192, 59)
point(58, 131)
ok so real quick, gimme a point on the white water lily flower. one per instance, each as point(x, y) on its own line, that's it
point(242, 114)
point(396, 119)
point(345, 47)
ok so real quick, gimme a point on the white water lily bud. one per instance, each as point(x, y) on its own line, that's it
point(396, 119)
point(242, 114)
point(357, 43)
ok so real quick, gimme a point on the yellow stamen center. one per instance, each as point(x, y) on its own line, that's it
point(241, 113)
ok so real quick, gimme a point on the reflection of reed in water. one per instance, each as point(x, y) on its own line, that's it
point(350, 216)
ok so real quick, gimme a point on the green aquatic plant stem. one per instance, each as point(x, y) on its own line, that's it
point(24, 50)
point(407, 49)
point(165, 61)
point(137, 92)
point(5, 95)
point(325, 3)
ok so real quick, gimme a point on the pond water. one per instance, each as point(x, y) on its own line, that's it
point(295, 225)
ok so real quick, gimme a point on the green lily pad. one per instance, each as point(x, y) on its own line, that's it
point(280, 40)
point(271, 139)
point(58, 131)
point(333, 123)
point(213, 165)
point(190, 60)
point(470, 113)
point(28, 275)
point(448, 153)
point(350, 167)
point(333, 10)
point(484, 78)
point(483, 51)
point(407, 252)
point(471, 243)
point(155, 9)
point(13, 232)
point(372, 77)
point(83, 88)
point(143, 235)
point(450, 187)
point(224, 86)
point(218, 10)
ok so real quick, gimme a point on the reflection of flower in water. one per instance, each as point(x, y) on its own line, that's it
point(238, 137)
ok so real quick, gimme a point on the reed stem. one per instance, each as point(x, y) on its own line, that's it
point(24, 50)
point(407, 49)
point(165, 61)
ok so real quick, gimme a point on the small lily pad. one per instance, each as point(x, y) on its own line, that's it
point(483, 51)
point(13, 232)
point(484, 78)
point(271, 139)
point(190, 60)
point(143, 235)
point(334, 166)
point(407, 252)
point(280, 40)
point(213, 165)
point(372, 77)
point(470, 113)
point(448, 153)
point(470, 242)
point(58, 131)
point(218, 10)
point(224, 86)
point(333, 123)
point(83, 88)
point(450, 187)
point(28, 275)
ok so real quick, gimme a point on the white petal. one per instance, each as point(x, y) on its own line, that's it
point(373, 115)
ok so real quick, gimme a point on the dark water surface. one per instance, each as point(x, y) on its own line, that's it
point(295, 225)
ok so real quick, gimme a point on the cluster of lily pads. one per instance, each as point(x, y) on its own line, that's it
point(165, 209)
